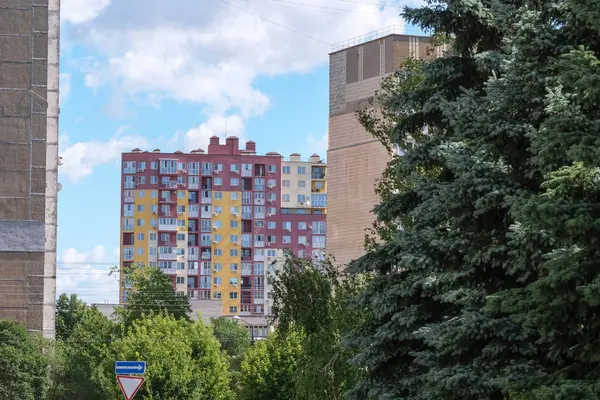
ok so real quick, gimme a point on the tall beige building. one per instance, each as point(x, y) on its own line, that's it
point(355, 159)
point(29, 57)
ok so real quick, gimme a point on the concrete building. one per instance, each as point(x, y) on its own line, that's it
point(356, 159)
point(29, 56)
point(213, 221)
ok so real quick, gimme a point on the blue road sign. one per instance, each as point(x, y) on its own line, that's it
point(130, 367)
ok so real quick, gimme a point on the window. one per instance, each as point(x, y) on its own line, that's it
point(233, 238)
point(271, 211)
point(218, 252)
point(301, 225)
point(181, 236)
point(180, 280)
point(129, 182)
point(233, 223)
point(259, 183)
point(181, 194)
point(318, 228)
point(152, 236)
point(259, 212)
point(140, 222)
point(301, 170)
point(141, 180)
point(128, 210)
point(217, 280)
point(287, 226)
point(234, 168)
point(285, 169)
point(180, 209)
point(218, 181)
point(272, 169)
point(234, 195)
point(319, 200)
point(233, 295)
point(233, 267)
point(271, 253)
point(218, 195)
point(302, 240)
point(140, 236)
point(218, 224)
point(271, 183)
point(301, 184)
point(271, 239)
point(287, 239)
point(318, 241)
point(154, 180)
point(129, 167)
point(216, 295)
point(259, 224)
point(168, 166)
point(272, 225)
point(233, 281)
point(141, 194)
point(140, 251)
point(153, 165)
point(152, 251)
point(233, 309)
point(217, 267)
point(194, 168)
point(128, 253)
point(218, 167)
point(234, 182)
point(301, 198)
point(285, 198)
point(285, 183)
point(233, 252)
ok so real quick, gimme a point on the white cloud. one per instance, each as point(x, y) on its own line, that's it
point(65, 86)
point(211, 53)
point(80, 159)
point(87, 275)
point(318, 145)
point(79, 11)
point(216, 125)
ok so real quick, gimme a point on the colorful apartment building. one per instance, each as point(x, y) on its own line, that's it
point(216, 221)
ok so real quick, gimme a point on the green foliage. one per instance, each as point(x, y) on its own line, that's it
point(183, 359)
point(75, 369)
point(485, 279)
point(314, 298)
point(23, 365)
point(269, 366)
point(69, 312)
point(235, 341)
point(152, 293)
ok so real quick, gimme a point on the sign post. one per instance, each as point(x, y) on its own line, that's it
point(125, 371)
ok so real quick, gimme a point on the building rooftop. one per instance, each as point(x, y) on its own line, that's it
point(374, 35)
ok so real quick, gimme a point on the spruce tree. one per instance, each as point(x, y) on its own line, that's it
point(486, 281)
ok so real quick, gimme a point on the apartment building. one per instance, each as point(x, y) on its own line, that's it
point(29, 91)
point(216, 221)
point(356, 159)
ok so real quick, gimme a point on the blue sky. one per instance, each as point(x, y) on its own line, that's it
point(170, 74)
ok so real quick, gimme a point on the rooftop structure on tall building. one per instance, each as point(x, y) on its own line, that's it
point(356, 159)
point(215, 221)
point(29, 56)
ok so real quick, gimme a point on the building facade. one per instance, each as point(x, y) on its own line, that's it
point(356, 159)
point(215, 221)
point(29, 57)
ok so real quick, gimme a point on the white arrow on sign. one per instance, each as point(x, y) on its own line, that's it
point(138, 367)
point(130, 385)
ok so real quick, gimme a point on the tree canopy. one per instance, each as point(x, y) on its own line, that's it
point(485, 281)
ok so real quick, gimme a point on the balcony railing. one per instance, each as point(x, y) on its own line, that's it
point(164, 227)
point(206, 271)
point(206, 256)
point(193, 257)
point(206, 200)
point(192, 271)
point(171, 256)
point(168, 185)
point(259, 301)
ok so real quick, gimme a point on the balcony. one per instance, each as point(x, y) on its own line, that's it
point(168, 185)
point(168, 257)
point(206, 271)
point(167, 199)
point(128, 227)
point(259, 301)
point(204, 285)
point(206, 200)
point(317, 175)
point(193, 257)
point(206, 256)
point(167, 228)
point(193, 294)
point(192, 271)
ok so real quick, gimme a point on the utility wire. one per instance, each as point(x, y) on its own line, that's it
point(332, 8)
point(275, 23)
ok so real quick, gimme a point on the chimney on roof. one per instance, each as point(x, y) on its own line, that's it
point(214, 139)
point(251, 146)
point(315, 159)
point(233, 143)
point(295, 157)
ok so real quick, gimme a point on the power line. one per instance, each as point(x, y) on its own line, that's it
point(276, 23)
point(333, 8)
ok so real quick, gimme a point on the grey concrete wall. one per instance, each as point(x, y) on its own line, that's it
point(24, 110)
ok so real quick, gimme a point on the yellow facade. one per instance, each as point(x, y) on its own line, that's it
point(142, 212)
point(182, 203)
point(226, 259)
